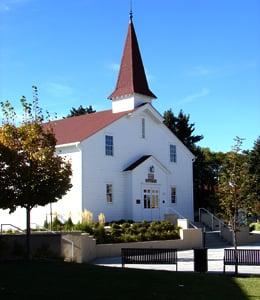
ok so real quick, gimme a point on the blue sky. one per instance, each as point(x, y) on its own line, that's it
point(200, 56)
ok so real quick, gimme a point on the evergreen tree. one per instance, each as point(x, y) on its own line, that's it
point(74, 112)
point(182, 128)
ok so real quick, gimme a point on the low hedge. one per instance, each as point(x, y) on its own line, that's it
point(254, 226)
point(120, 232)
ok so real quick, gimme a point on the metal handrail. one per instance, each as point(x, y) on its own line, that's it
point(220, 222)
point(17, 228)
point(182, 217)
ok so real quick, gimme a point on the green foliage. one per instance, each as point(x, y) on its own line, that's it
point(206, 165)
point(31, 173)
point(85, 227)
point(236, 197)
point(74, 112)
point(254, 226)
point(99, 234)
point(121, 232)
point(57, 225)
point(182, 128)
point(206, 168)
point(68, 225)
point(143, 231)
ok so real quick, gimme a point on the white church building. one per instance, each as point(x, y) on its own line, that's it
point(126, 163)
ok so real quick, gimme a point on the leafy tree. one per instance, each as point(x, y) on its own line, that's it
point(234, 189)
point(206, 173)
point(31, 173)
point(8, 170)
point(181, 127)
point(80, 111)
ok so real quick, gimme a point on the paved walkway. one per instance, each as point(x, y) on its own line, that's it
point(185, 262)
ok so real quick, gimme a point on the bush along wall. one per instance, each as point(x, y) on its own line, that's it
point(123, 231)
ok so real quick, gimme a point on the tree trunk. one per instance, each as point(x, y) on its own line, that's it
point(235, 247)
point(28, 233)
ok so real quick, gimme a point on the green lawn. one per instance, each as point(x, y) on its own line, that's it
point(58, 280)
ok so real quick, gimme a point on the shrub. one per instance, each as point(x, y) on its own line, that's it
point(100, 234)
point(120, 231)
point(128, 238)
point(57, 225)
point(68, 225)
point(254, 226)
point(126, 226)
point(85, 227)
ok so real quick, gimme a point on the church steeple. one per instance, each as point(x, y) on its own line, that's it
point(132, 79)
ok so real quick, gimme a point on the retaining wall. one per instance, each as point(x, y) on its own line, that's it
point(244, 236)
point(80, 247)
point(12, 245)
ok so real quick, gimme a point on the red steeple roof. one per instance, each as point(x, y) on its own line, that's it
point(131, 78)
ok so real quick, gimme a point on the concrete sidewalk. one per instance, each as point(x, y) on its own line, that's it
point(186, 264)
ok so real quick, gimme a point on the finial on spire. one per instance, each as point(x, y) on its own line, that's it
point(131, 12)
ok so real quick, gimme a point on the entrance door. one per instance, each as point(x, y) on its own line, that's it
point(151, 203)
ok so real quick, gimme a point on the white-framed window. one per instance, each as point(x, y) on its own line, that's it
point(173, 153)
point(109, 193)
point(109, 145)
point(143, 128)
point(173, 195)
point(151, 198)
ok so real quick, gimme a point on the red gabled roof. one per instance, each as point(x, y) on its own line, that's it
point(131, 78)
point(76, 129)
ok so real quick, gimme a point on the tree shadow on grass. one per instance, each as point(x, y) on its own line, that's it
point(46, 280)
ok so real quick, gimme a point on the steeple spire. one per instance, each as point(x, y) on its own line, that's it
point(131, 12)
point(131, 79)
point(131, 15)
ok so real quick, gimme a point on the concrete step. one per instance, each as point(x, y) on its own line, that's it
point(213, 240)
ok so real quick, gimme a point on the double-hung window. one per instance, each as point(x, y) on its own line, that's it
point(173, 195)
point(109, 193)
point(109, 147)
point(173, 153)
